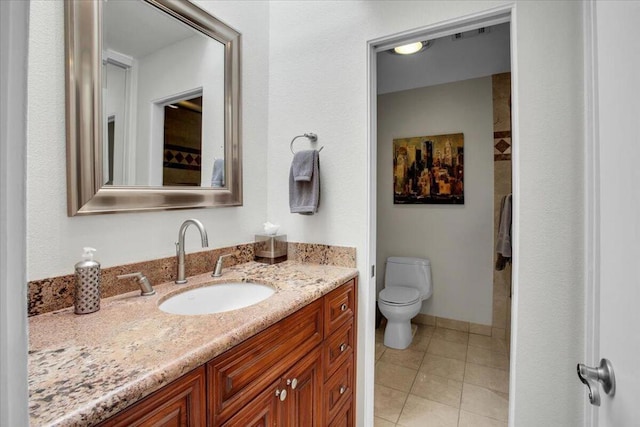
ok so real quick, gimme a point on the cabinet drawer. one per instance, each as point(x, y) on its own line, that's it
point(339, 306)
point(344, 417)
point(338, 389)
point(238, 375)
point(338, 348)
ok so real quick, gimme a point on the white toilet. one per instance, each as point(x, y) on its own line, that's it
point(407, 282)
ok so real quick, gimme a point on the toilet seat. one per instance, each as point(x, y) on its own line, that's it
point(399, 295)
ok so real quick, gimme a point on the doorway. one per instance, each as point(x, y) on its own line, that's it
point(451, 333)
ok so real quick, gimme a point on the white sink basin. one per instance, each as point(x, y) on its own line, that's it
point(217, 298)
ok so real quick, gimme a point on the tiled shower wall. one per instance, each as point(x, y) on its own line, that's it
point(502, 187)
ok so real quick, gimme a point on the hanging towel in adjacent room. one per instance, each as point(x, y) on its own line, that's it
point(304, 182)
point(217, 176)
point(503, 243)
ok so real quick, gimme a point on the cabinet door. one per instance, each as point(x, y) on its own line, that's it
point(262, 411)
point(304, 384)
point(237, 376)
point(180, 404)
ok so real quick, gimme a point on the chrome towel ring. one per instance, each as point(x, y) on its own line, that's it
point(310, 136)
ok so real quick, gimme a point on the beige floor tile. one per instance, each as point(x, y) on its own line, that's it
point(499, 333)
point(424, 319)
point(408, 358)
point(438, 389)
point(485, 402)
point(484, 376)
point(458, 325)
point(380, 348)
point(482, 356)
point(448, 349)
point(424, 330)
point(497, 345)
point(420, 342)
point(451, 335)
point(443, 366)
point(419, 412)
point(381, 422)
point(394, 376)
point(388, 403)
point(467, 419)
point(476, 328)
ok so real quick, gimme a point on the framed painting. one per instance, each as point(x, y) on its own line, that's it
point(429, 170)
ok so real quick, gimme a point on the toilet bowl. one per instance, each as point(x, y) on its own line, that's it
point(407, 284)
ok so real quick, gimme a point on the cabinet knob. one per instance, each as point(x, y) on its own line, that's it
point(293, 383)
point(282, 394)
point(343, 388)
point(343, 307)
point(343, 347)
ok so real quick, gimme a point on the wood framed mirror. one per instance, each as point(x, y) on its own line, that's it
point(130, 158)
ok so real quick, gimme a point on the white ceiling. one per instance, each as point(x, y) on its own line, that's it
point(137, 29)
point(446, 61)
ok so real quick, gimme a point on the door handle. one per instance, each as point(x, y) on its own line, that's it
point(601, 374)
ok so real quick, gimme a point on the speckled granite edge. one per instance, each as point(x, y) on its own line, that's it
point(56, 293)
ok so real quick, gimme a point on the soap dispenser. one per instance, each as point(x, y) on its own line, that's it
point(88, 275)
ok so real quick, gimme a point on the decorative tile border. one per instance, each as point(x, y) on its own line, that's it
point(56, 293)
point(179, 157)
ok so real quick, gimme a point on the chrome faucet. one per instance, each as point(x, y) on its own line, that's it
point(180, 245)
point(218, 270)
point(145, 286)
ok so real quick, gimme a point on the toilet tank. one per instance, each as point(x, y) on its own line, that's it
point(409, 272)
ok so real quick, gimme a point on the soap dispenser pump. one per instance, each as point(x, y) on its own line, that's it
point(88, 276)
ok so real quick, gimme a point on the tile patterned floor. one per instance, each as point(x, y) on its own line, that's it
point(446, 378)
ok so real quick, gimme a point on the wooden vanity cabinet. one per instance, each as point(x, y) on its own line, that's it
point(180, 404)
point(299, 372)
point(294, 400)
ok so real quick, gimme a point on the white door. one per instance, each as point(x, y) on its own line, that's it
point(617, 34)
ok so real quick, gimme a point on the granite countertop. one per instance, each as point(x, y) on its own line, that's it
point(85, 368)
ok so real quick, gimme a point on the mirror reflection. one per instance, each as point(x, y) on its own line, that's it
point(163, 100)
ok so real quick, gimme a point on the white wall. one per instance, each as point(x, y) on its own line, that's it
point(54, 241)
point(457, 239)
point(116, 107)
point(186, 66)
point(318, 82)
point(447, 61)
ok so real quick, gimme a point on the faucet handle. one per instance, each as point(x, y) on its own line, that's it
point(145, 286)
point(218, 270)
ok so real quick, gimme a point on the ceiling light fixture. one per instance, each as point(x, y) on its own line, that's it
point(411, 48)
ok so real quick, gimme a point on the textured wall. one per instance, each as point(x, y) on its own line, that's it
point(456, 238)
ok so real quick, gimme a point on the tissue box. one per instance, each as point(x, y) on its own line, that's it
point(270, 249)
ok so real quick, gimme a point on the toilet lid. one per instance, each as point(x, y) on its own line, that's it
point(399, 295)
